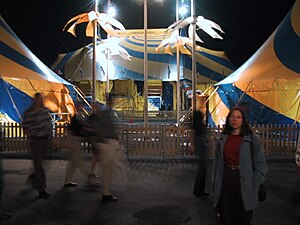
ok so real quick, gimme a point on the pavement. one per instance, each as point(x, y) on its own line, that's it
point(150, 192)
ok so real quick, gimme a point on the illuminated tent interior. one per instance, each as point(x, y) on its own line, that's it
point(22, 74)
point(127, 76)
point(267, 86)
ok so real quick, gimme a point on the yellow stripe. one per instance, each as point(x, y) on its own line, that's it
point(295, 18)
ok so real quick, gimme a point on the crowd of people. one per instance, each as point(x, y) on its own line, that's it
point(239, 166)
point(37, 124)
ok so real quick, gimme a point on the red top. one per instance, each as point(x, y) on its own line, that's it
point(232, 150)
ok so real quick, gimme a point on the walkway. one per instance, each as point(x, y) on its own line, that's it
point(150, 193)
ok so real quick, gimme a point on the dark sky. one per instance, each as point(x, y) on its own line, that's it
point(247, 23)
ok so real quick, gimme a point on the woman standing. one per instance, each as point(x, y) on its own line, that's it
point(239, 169)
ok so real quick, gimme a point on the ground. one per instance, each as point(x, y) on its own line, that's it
point(149, 192)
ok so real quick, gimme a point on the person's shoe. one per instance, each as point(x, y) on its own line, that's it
point(30, 181)
point(201, 194)
point(4, 215)
point(70, 184)
point(109, 198)
point(44, 195)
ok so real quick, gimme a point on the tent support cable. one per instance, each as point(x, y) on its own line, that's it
point(244, 92)
point(31, 85)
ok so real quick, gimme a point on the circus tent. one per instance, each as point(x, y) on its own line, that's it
point(22, 74)
point(212, 66)
point(267, 86)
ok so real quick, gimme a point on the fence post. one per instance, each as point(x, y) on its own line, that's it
point(161, 141)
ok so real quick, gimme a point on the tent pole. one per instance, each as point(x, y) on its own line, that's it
point(107, 75)
point(107, 61)
point(209, 97)
point(193, 57)
point(94, 56)
point(82, 96)
point(145, 64)
point(178, 72)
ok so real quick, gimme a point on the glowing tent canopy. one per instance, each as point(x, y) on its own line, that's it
point(22, 74)
point(212, 65)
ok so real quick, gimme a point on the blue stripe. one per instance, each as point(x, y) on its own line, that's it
point(61, 65)
point(287, 44)
point(21, 101)
point(141, 44)
point(18, 58)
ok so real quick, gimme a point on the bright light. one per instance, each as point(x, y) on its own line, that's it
point(111, 11)
point(182, 10)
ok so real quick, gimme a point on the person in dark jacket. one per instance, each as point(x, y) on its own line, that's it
point(199, 147)
point(37, 125)
point(239, 169)
point(106, 144)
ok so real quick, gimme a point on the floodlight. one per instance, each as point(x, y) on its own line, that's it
point(111, 11)
point(183, 10)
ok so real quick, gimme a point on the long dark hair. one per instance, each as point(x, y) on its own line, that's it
point(245, 129)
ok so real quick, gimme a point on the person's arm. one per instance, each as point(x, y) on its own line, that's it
point(261, 167)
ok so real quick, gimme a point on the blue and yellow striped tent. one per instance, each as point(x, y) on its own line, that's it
point(22, 74)
point(267, 86)
point(212, 65)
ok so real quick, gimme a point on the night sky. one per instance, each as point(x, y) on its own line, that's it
point(247, 23)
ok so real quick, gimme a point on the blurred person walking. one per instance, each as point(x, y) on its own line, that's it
point(92, 174)
point(239, 169)
point(77, 133)
point(199, 147)
point(106, 144)
point(37, 126)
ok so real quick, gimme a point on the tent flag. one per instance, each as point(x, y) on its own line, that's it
point(23, 74)
point(273, 72)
